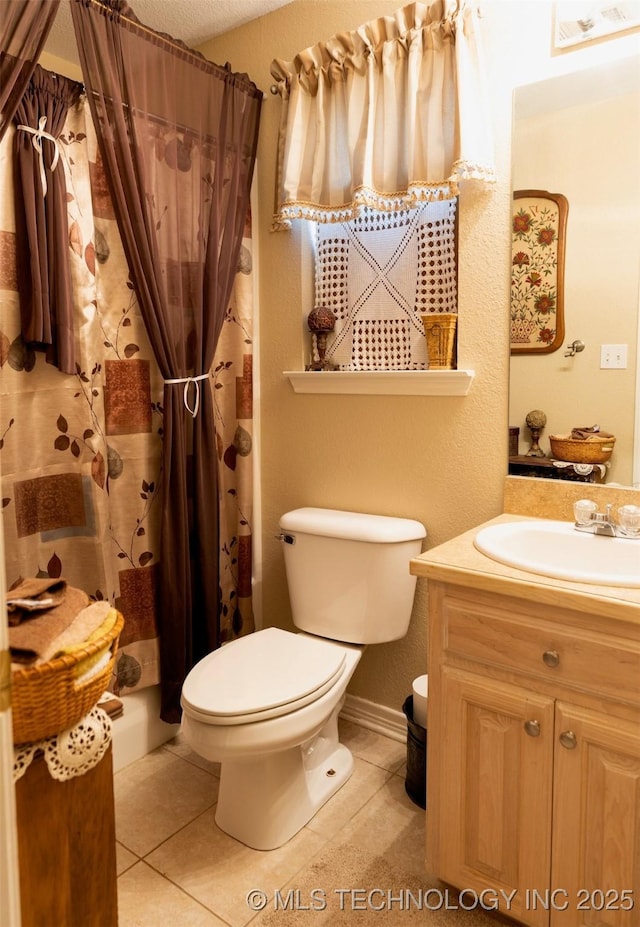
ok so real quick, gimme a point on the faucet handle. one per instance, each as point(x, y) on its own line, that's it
point(584, 511)
point(629, 520)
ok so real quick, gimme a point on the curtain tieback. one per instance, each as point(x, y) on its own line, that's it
point(185, 396)
point(36, 141)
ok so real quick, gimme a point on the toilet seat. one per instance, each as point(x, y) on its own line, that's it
point(263, 675)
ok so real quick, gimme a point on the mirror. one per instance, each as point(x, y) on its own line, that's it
point(578, 135)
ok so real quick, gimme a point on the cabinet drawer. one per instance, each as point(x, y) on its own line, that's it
point(604, 664)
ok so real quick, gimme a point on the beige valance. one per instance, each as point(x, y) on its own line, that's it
point(388, 115)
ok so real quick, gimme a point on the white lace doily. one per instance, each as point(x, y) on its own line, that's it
point(71, 753)
point(582, 469)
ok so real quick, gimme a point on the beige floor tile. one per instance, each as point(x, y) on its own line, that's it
point(124, 859)
point(365, 781)
point(156, 796)
point(145, 899)
point(390, 825)
point(220, 872)
point(372, 747)
point(179, 746)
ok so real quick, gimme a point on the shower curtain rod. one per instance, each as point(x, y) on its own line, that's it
point(183, 49)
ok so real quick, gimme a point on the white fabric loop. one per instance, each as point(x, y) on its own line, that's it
point(185, 395)
point(38, 134)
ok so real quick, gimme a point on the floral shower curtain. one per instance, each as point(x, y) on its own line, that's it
point(80, 454)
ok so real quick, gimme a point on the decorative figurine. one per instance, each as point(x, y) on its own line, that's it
point(320, 322)
point(536, 420)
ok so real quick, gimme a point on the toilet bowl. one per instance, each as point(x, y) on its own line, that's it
point(277, 738)
point(266, 705)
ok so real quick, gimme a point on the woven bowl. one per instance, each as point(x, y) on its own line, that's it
point(594, 449)
point(52, 697)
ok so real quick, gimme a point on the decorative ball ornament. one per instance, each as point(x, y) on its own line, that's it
point(320, 322)
point(321, 319)
point(536, 420)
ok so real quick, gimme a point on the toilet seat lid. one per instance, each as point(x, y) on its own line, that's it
point(263, 671)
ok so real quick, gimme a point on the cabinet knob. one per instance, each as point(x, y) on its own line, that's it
point(568, 740)
point(551, 658)
point(532, 728)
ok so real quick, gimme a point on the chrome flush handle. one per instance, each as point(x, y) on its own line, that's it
point(286, 538)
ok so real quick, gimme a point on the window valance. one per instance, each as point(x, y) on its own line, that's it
point(388, 115)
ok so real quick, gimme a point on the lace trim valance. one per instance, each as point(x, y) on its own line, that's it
point(397, 105)
point(383, 202)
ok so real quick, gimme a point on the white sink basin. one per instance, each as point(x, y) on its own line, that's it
point(555, 548)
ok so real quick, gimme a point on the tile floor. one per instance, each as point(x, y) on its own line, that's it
point(176, 868)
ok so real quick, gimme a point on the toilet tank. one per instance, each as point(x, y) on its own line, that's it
point(348, 573)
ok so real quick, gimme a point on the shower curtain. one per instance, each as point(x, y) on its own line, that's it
point(80, 453)
point(178, 138)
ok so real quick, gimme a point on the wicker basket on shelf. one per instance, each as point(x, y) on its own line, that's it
point(53, 696)
point(594, 449)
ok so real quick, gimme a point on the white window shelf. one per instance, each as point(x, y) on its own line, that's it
point(382, 382)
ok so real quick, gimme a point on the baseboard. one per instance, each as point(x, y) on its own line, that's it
point(379, 718)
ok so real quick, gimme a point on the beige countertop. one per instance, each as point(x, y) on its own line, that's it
point(457, 561)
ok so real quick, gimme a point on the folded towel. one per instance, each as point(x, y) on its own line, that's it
point(583, 434)
point(29, 596)
point(87, 669)
point(89, 624)
point(102, 656)
point(112, 705)
point(30, 639)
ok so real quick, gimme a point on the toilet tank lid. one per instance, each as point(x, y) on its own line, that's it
point(352, 526)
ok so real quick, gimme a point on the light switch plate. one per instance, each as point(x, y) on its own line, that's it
point(613, 356)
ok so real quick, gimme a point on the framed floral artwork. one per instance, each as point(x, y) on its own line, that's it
point(539, 224)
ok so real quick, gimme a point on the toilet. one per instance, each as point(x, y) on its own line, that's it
point(266, 705)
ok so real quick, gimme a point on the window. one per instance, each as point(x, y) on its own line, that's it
point(379, 274)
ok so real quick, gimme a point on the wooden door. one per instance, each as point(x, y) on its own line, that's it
point(596, 820)
point(495, 769)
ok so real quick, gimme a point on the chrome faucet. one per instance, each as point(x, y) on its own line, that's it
point(589, 519)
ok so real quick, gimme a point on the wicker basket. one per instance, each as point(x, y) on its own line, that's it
point(47, 699)
point(591, 450)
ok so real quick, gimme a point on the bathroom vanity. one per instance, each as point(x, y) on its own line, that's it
point(533, 765)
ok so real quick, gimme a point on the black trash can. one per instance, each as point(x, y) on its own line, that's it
point(416, 778)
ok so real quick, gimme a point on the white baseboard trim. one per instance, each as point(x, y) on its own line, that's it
point(379, 718)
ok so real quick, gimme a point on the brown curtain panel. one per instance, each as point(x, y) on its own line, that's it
point(24, 27)
point(178, 137)
point(42, 231)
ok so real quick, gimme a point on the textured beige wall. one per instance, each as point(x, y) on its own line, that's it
point(440, 460)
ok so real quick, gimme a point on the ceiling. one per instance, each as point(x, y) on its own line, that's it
point(192, 21)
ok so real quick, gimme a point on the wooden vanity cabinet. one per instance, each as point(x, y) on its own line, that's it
point(533, 782)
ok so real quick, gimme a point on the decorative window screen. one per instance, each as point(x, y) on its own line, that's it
point(379, 274)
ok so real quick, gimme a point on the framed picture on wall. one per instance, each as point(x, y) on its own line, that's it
point(578, 21)
point(539, 221)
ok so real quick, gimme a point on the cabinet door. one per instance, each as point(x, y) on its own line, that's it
point(596, 829)
point(495, 789)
